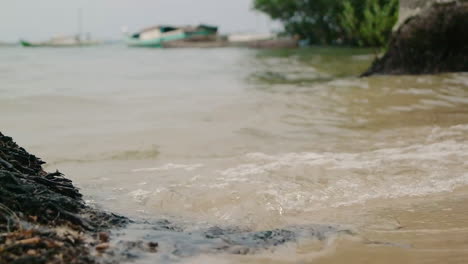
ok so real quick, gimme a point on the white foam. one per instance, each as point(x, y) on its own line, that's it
point(140, 195)
point(263, 186)
point(310, 181)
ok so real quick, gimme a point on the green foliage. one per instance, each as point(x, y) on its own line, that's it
point(349, 22)
point(376, 25)
point(313, 20)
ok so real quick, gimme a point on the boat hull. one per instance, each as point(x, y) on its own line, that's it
point(195, 44)
point(173, 39)
point(153, 43)
point(28, 44)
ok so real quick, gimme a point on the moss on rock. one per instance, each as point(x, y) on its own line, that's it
point(434, 41)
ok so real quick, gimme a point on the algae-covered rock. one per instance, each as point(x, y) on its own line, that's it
point(435, 40)
point(42, 216)
point(48, 198)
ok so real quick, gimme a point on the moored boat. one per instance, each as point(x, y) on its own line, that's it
point(277, 43)
point(262, 41)
point(76, 40)
point(68, 41)
point(163, 36)
point(243, 38)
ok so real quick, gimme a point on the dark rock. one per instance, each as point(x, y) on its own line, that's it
point(433, 41)
point(33, 203)
point(49, 198)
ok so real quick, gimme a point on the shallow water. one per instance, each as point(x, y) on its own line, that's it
point(254, 139)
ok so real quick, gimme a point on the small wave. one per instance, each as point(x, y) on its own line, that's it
point(316, 180)
point(147, 154)
point(171, 166)
point(140, 195)
point(135, 155)
point(312, 181)
point(261, 188)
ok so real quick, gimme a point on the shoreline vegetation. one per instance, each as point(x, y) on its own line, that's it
point(359, 23)
point(431, 37)
point(44, 220)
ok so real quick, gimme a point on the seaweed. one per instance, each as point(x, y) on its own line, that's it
point(35, 209)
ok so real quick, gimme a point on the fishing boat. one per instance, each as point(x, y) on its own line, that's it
point(262, 41)
point(67, 41)
point(242, 38)
point(170, 36)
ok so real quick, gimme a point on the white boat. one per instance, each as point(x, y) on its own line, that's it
point(165, 36)
point(249, 37)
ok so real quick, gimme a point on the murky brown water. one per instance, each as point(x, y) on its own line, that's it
point(254, 139)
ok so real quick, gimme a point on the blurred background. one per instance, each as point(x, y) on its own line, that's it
point(243, 113)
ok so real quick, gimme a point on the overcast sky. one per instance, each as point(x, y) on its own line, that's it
point(41, 19)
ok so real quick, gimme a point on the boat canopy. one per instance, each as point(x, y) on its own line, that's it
point(166, 28)
point(160, 35)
